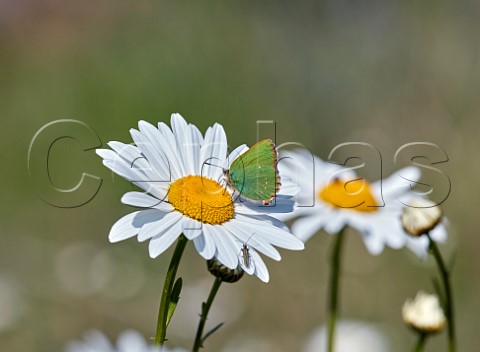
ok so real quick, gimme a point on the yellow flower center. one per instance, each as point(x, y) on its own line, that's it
point(202, 199)
point(355, 195)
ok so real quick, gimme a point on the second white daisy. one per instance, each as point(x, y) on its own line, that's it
point(332, 197)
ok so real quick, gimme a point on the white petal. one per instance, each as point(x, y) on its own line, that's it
point(288, 186)
point(304, 228)
point(336, 223)
point(383, 226)
point(96, 340)
point(106, 154)
point(152, 144)
point(397, 187)
point(162, 224)
point(373, 243)
point(131, 341)
point(301, 211)
point(205, 246)
point(272, 234)
point(160, 243)
point(418, 245)
point(235, 154)
point(249, 238)
point(394, 236)
point(196, 141)
point(192, 228)
point(187, 144)
point(197, 135)
point(134, 159)
point(126, 151)
point(261, 270)
point(297, 175)
point(280, 204)
point(182, 140)
point(130, 224)
point(213, 151)
point(439, 232)
point(225, 253)
point(169, 145)
point(139, 199)
point(136, 176)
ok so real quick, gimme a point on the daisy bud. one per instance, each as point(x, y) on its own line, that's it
point(219, 270)
point(424, 313)
point(420, 217)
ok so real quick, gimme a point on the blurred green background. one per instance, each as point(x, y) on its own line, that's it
point(382, 72)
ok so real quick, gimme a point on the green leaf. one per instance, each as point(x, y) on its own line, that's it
point(174, 298)
point(211, 332)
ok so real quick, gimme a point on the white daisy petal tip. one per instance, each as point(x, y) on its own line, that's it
point(142, 125)
point(178, 118)
point(261, 270)
point(124, 228)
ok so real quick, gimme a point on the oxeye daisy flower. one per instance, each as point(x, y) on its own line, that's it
point(182, 175)
point(332, 197)
point(128, 341)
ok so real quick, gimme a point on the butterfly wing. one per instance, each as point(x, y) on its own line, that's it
point(254, 174)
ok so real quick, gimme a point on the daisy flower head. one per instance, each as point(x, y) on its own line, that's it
point(128, 341)
point(332, 197)
point(182, 175)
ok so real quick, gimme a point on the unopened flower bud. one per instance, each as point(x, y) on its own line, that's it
point(420, 217)
point(219, 270)
point(424, 313)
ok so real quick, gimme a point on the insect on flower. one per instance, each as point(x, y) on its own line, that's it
point(246, 253)
point(254, 174)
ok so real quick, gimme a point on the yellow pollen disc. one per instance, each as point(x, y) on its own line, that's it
point(355, 195)
point(202, 199)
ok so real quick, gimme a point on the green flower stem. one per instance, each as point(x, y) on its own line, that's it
point(449, 313)
point(334, 289)
point(167, 290)
point(203, 317)
point(422, 338)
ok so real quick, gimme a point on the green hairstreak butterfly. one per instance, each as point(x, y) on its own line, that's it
point(254, 174)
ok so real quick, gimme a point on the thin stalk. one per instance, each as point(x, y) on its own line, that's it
point(449, 312)
point(203, 317)
point(334, 289)
point(422, 338)
point(167, 290)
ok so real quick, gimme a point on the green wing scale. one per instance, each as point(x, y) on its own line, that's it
point(254, 174)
